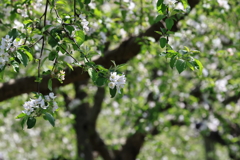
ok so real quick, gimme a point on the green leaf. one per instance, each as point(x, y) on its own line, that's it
point(52, 55)
point(13, 33)
point(46, 28)
point(100, 81)
point(69, 65)
point(173, 61)
point(50, 84)
point(180, 65)
point(15, 66)
point(124, 14)
point(169, 23)
point(22, 57)
point(93, 74)
point(30, 57)
point(69, 28)
point(190, 66)
point(200, 67)
point(50, 118)
point(163, 42)
point(24, 121)
point(1, 75)
point(113, 92)
point(161, 7)
point(87, 1)
point(188, 50)
point(159, 18)
point(27, 22)
point(185, 3)
point(80, 37)
point(21, 115)
point(31, 121)
point(38, 79)
point(114, 63)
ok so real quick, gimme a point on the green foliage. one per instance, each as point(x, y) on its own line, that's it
point(156, 98)
point(50, 118)
point(31, 121)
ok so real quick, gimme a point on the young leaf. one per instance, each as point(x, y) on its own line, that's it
point(24, 121)
point(15, 66)
point(50, 118)
point(190, 66)
point(13, 33)
point(200, 67)
point(31, 121)
point(100, 81)
point(21, 115)
point(93, 74)
point(46, 28)
point(180, 65)
point(173, 61)
point(50, 84)
point(69, 65)
point(80, 37)
point(163, 42)
point(159, 18)
point(113, 92)
point(22, 57)
point(169, 23)
point(52, 55)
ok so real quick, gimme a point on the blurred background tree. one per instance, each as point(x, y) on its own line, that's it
point(161, 114)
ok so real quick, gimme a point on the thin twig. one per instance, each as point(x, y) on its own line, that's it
point(62, 47)
point(43, 44)
point(74, 9)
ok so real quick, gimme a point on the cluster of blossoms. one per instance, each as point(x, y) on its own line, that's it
point(61, 75)
point(224, 4)
point(84, 22)
point(40, 103)
point(170, 3)
point(6, 45)
point(116, 81)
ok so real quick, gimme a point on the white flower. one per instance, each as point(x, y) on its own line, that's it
point(224, 4)
point(4, 55)
point(17, 43)
point(61, 75)
point(44, 106)
point(47, 98)
point(170, 3)
point(82, 16)
point(2, 63)
point(40, 101)
point(117, 80)
point(103, 37)
point(51, 95)
point(86, 28)
point(7, 39)
point(55, 106)
point(119, 87)
point(111, 85)
point(113, 76)
point(84, 22)
point(29, 107)
point(121, 80)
